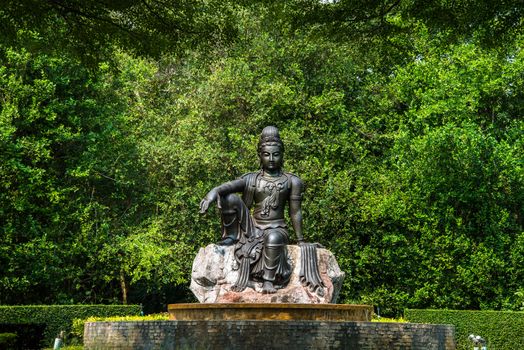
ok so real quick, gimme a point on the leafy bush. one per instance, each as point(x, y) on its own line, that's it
point(501, 329)
point(58, 318)
point(388, 319)
point(77, 328)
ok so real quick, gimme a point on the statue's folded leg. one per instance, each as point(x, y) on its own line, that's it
point(232, 214)
point(238, 228)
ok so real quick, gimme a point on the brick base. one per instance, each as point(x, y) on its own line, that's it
point(267, 335)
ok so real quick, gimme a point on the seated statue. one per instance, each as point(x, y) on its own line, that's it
point(261, 237)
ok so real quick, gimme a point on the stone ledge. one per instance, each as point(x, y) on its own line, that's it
point(248, 311)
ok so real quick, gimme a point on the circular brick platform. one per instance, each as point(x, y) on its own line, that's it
point(251, 334)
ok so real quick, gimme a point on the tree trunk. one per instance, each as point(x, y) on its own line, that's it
point(123, 286)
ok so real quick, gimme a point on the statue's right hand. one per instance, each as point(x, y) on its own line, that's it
point(208, 199)
point(204, 205)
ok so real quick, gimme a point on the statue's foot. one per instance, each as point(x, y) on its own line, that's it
point(268, 288)
point(227, 241)
point(237, 289)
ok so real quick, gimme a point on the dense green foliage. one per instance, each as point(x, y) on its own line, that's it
point(72, 187)
point(501, 329)
point(405, 127)
point(58, 318)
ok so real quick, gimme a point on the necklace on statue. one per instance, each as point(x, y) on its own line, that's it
point(273, 185)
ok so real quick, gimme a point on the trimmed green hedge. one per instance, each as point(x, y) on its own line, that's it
point(28, 335)
point(7, 340)
point(60, 317)
point(503, 330)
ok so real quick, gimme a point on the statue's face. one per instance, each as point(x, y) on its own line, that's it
point(271, 157)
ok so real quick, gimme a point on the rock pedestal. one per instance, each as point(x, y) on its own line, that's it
point(215, 271)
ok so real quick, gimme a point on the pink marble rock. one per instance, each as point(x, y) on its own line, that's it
point(215, 270)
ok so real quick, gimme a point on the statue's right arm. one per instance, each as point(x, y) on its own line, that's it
point(234, 186)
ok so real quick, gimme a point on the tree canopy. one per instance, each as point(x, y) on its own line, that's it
point(89, 29)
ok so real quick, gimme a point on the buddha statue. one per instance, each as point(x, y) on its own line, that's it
point(254, 223)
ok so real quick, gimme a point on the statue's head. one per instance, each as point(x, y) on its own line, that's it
point(270, 149)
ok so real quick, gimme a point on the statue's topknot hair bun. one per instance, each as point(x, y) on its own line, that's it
point(270, 135)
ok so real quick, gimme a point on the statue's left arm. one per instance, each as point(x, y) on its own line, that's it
point(295, 206)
